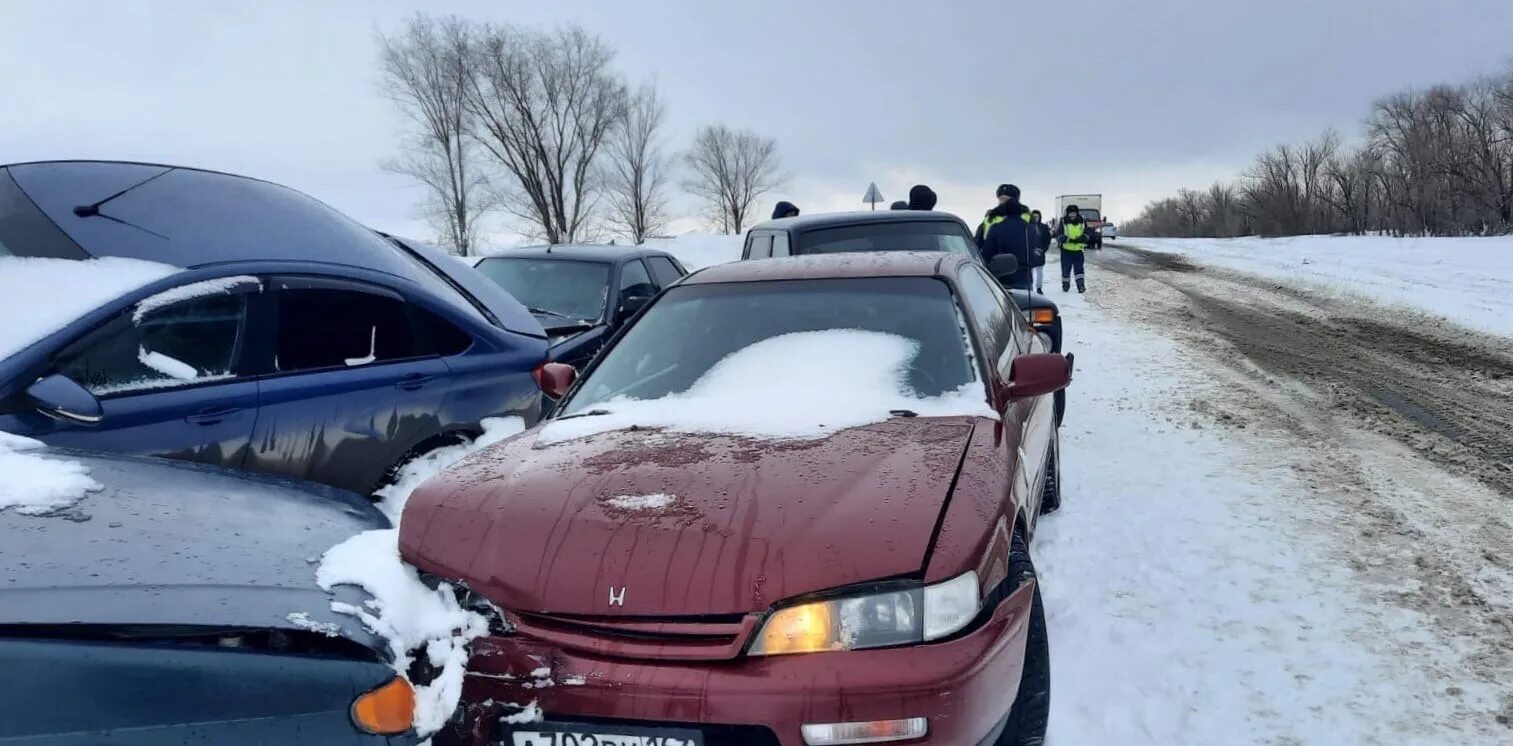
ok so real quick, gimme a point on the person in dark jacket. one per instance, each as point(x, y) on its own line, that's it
point(1073, 235)
point(785, 209)
point(921, 197)
point(899, 205)
point(1006, 230)
point(1042, 236)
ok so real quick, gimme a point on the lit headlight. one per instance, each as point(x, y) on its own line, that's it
point(876, 620)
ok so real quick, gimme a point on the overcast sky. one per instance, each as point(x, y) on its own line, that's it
point(1130, 99)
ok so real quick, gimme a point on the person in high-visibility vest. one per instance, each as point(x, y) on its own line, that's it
point(1006, 230)
point(1073, 235)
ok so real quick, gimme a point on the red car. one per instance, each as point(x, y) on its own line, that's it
point(659, 585)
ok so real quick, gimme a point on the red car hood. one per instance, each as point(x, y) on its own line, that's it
point(684, 524)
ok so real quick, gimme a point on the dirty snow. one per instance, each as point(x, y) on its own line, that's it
point(202, 289)
point(32, 306)
point(751, 392)
point(1469, 280)
point(34, 484)
point(641, 502)
point(1192, 593)
point(392, 498)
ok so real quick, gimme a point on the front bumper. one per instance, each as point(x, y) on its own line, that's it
point(963, 686)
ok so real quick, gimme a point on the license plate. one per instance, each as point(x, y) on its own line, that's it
point(543, 734)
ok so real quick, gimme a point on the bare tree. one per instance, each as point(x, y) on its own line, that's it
point(544, 106)
point(731, 169)
point(636, 168)
point(426, 71)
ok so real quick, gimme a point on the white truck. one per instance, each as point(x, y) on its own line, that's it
point(1091, 208)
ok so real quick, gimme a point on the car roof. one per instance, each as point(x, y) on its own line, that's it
point(579, 252)
point(190, 217)
point(833, 266)
point(863, 217)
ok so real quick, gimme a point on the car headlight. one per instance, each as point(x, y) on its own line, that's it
point(873, 620)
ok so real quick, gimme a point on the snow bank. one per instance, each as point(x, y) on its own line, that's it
point(413, 618)
point(1468, 280)
point(392, 498)
point(752, 392)
point(699, 250)
point(41, 296)
point(34, 484)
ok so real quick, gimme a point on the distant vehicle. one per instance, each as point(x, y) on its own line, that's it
point(178, 605)
point(290, 341)
point(581, 294)
point(893, 230)
point(1091, 208)
point(745, 594)
point(1110, 231)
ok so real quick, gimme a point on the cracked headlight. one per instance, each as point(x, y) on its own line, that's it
point(874, 620)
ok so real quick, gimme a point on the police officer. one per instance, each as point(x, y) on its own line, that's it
point(1072, 233)
point(1006, 230)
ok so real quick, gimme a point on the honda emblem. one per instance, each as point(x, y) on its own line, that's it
point(616, 599)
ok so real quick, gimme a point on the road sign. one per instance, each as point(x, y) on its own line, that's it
point(872, 196)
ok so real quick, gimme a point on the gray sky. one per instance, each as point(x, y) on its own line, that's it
point(1131, 99)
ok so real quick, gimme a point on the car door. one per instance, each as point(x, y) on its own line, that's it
point(633, 289)
point(171, 377)
point(663, 270)
point(351, 387)
point(989, 310)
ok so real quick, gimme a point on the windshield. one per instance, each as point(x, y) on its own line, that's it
point(565, 288)
point(1089, 213)
point(688, 331)
point(925, 235)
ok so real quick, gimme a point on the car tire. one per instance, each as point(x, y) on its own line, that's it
point(1050, 493)
point(1059, 401)
point(1031, 711)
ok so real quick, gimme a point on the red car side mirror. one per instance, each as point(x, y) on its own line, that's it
point(1038, 374)
point(555, 379)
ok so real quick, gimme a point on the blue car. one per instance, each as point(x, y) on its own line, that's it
point(177, 604)
point(286, 338)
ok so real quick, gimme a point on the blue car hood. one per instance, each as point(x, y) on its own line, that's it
point(169, 543)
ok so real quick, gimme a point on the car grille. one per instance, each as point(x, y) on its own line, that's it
point(678, 638)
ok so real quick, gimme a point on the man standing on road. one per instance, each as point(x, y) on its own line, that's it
point(1006, 230)
point(1073, 235)
point(1042, 236)
point(921, 197)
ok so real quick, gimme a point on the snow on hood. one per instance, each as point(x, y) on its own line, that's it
point(804, 385)
point(39, 296)
point(36, 485)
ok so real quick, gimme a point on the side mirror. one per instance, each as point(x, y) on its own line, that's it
point(555, 379)
point(630, 305)
point(1003, 267)
point(61, 397)
point(1038, 374)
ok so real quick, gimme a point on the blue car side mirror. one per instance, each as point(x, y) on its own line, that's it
point(62, 397)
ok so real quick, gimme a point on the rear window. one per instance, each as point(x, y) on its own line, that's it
point(933, 235)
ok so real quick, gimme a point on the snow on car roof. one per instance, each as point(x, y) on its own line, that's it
point(39, 296)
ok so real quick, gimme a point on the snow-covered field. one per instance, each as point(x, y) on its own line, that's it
point(1469, 280)
point(1194, 591)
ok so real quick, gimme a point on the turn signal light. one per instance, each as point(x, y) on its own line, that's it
point(1042, 315)
point(809, 628)
point(387, 710)
point(876, 731)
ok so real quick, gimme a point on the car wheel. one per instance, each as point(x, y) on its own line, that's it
point(1050, 494)
point(1032, 705)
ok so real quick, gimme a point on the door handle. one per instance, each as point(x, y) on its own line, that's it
point(211, 416)
point(414, 381)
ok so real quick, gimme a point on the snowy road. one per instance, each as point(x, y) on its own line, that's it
point(1277, 527)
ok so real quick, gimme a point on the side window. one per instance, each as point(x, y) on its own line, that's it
point(662, 268)
point(986, 306)
point(780, 244)
point(437, 336)
point(162, 344)
point(634, 281)
point(328, 328)
point(761, 246)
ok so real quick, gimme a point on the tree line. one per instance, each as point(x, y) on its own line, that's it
point(539, 127)
point(1429, 163)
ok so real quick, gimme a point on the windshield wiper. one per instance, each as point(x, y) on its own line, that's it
point(549, 312)
point(589, 413)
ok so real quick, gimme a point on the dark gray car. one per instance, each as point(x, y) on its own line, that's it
point(178, 605)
